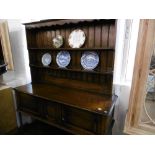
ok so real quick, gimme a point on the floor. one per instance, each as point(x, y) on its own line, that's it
point(38, 128)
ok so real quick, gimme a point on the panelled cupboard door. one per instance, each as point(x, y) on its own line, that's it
point(140, 117)
point(85, 122)
point(78, 119)
point(53, 112)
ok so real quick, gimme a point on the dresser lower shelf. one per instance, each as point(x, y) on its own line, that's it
point(74, 130)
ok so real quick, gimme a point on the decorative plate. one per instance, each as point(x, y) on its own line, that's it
point(89, 60)
point(46, 59)
point(58, 41)
point(63, 59)
point(76, 38)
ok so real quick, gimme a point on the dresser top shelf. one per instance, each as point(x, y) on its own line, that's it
point(76, 98)
point(63, 22)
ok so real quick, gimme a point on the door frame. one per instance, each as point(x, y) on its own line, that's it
point(6, 46)
point(145, 47)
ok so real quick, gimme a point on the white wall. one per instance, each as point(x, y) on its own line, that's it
point(21, 73)
point(126, 41)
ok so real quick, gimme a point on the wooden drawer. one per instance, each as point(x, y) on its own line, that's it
point(73, 118)
point(48, 110)
point(29, 103)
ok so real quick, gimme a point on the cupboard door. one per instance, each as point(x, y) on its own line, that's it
point(52, 112)
point(75, 118)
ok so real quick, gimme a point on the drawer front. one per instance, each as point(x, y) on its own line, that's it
point(72, 117)
point(45, 109)
point(29, 103)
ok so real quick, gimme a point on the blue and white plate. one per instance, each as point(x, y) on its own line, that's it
point(89, 60)
point(63, 59)
point(46, 59)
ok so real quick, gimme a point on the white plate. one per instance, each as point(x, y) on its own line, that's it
point(63, 59)
point(89, 60)
point(76, 38)
point(58, 41)
point(46, 59)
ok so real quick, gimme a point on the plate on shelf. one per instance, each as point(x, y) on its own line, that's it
point(89, 60)
point(46, 59)
point(76, 38)
point(63, 59)
point(58, 41)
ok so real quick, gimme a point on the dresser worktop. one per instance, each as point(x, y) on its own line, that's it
point(77, 98)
